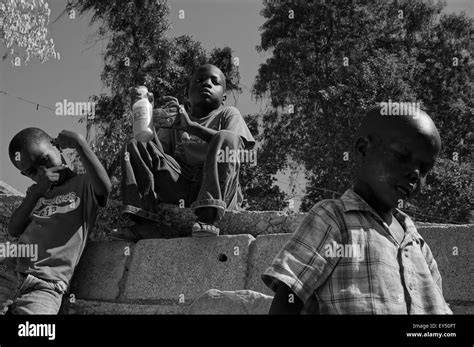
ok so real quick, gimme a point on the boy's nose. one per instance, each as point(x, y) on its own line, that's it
point(206, 82)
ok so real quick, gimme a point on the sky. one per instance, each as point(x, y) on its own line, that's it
point(76, 76)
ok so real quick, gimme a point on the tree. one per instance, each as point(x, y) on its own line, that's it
point(330, 62)
point(139, 53)
point(258, 182)
point(23, 31)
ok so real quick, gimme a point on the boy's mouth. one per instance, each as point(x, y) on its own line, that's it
point(205, 92)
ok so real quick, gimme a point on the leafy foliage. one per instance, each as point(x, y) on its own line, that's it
point(139, 53)
point(449, 192)
point(23, 29)
point(330, 62)
point(258, 182)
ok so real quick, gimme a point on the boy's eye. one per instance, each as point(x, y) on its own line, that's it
point(32, 171)
point(213, 80)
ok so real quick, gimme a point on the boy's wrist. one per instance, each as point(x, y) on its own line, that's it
point(81, 142)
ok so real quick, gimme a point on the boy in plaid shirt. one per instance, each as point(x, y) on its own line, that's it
point(359, 254)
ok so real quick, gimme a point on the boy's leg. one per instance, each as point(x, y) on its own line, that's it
point(150, 176)
point(38, 296)
point(9, 284)
point(220, 188)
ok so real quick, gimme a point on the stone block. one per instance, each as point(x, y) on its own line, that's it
point(88, 307)
point(452, 247)
point(100, 270)
point(231, 302)
point(179, 270)
point(463, 308)
point(262, 252)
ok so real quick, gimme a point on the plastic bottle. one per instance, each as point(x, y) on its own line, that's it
point(142, 111)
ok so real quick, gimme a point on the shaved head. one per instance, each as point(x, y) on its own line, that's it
point(207, 90)
point(394, 154)
point(206, 67)
point(380, 127)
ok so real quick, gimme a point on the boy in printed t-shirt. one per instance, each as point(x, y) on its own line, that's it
point(56, 215)
point(183, 165)
point(393, 270)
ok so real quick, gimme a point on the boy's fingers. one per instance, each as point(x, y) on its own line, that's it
point(54, 177)
point(56, 168)
point(170, 99)
point(55, 143)
point(65, 132)
point(171, 103)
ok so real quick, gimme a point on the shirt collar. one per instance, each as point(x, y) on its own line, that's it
point(351, 201)
point(209, 115)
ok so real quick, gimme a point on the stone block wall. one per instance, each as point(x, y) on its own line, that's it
point(166, 276)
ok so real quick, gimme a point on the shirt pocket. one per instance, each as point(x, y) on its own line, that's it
point(378, 273)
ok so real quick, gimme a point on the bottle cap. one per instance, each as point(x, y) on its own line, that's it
point(143, 91)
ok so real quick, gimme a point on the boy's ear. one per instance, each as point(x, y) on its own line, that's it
point(361, 146)
point(224, 98)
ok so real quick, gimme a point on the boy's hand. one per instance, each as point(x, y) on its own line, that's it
point(46, 178)
point(162, 119)
point(69, 139)
point(172, 107)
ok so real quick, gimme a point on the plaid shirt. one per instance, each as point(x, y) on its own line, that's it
point(343, 259)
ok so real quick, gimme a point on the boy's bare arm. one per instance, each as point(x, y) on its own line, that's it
point(184, 122)
point(99, 177)
point(202, 132)
point(21, 217)
point(285, 301)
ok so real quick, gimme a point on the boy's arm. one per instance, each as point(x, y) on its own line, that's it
point(21, 217)
point(285, 301)
point(301, 266)
point(202, 132)
point(99, 178)
point(183, 122)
